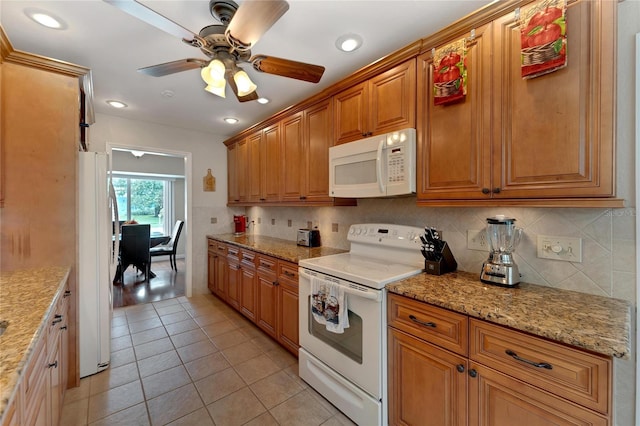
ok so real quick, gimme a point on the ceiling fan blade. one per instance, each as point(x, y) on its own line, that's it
point(151, 17)
point(253, 18)
point(250, 97)
point(287, 68)
point(173, 67)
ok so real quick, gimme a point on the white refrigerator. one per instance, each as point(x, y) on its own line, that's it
point(97, 260)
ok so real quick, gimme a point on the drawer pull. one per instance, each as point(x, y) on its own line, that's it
point(289, 274)
point(265, 265)
point(53, 365)
point(460, 368)
point(426, 324)
point(67, 293)
point(515, 356)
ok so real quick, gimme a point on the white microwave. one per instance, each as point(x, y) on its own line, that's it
point(379, 166)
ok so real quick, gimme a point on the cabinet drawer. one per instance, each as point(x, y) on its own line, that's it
point(288, 271)
point(211, 245)
point(570, 373)
point(267, 264)
point(439, 326)
point(248, 258)
point(233, 252)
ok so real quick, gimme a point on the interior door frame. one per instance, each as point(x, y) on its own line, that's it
point(188, 214)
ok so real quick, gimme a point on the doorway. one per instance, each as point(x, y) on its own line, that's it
point(153, 186)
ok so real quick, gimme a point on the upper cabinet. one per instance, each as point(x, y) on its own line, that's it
point(263, 159)
point(381, 104)
point(546, 141)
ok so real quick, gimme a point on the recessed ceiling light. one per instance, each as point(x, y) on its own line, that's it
point(230, 120)
point(46, 19)
point(117, 104)
point(263, 101)
point(349, 42)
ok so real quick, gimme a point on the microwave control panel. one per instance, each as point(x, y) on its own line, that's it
point(396, 166)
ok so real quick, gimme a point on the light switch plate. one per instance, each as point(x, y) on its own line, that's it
point(567, 249)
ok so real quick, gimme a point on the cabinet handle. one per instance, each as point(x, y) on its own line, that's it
point(64, 327)
point(265, 265)
point(486, 191)
point(54, 364)
point(460, 368)
point(496, 190)
point(515, 356)
point(289, 274)
point(263, 199)
point(302, 197)
point(426, 324)
point(276, 283)
point(57, 319)
point(67, 293)
point(473, 373)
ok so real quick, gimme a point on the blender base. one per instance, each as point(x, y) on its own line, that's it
point(499, 274)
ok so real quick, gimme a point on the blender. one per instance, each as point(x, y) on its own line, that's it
point(503, 237)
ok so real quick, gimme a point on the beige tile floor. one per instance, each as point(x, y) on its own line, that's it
point(195, 361)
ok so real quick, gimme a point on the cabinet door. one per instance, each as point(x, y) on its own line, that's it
point(55, 382)
point(233, 195)
point(267, 295)
point(233, 283)
point(271, 163)
point(288, 306)
point(553, 134)
point(351, 113)
point(253, 167)
point(212, 259)
point(496, 399)
point(241, 169)
point(392, 103)
point(292, 161)
point(427, 385)
point(222, 269)
point(454, 140)
point(248, 285)
point(318, 135)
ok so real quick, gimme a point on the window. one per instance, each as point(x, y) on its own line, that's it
point(145, 199)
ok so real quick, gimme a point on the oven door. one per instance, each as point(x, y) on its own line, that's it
point(355, 354)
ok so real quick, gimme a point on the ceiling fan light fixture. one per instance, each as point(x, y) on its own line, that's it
point(213, 75)
point(216, 90)
point(349, 42)
point(244, 83)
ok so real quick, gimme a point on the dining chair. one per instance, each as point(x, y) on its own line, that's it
point(169, 249)
point(134, 250)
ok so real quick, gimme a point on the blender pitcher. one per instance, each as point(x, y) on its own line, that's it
point(503, 237)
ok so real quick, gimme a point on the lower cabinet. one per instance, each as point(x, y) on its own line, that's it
point(39, 398)
point(448, 369)
point(261, 287)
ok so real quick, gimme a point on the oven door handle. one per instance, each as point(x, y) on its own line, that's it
point(372, 295)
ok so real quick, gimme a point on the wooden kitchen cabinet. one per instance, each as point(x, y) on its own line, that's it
point(267, 318)
point(233, 195)
point(261, 287)
point(292, 156)
point(264, 163)
point(382, 104)
point(238, 180)
point(466, 371)
point(233, 277)
point(288, 306)
point(248, 285)
point(545, 138)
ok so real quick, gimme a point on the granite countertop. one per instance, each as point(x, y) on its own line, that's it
point(26, 298)
point(276, 247)
point(596, 323)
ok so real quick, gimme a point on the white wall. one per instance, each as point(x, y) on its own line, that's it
point(207, 152)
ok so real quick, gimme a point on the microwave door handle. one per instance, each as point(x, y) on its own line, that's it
point(364, 294)
point(379, 168)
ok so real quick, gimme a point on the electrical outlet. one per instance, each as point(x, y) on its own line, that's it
point(477, 240)
point(567, 249)
point(214, 220)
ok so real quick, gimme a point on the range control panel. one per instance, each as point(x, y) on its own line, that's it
point(385, 235)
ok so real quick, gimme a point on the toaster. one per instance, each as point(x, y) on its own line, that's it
point(309, 237)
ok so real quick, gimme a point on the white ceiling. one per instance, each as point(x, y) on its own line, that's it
point(114, 44)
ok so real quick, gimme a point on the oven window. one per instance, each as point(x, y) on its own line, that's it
point(348, 343)
point(356, 173)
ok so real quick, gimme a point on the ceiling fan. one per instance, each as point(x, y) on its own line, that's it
point(226, 45)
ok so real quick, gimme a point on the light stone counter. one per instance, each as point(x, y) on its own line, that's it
point(26, 298)
point(276, 247)
point(596, 323)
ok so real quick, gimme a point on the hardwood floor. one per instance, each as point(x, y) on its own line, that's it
point(135, 290)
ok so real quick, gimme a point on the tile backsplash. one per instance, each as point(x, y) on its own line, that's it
point(608, 242)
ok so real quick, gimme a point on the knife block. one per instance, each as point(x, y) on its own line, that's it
point(447, 262)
